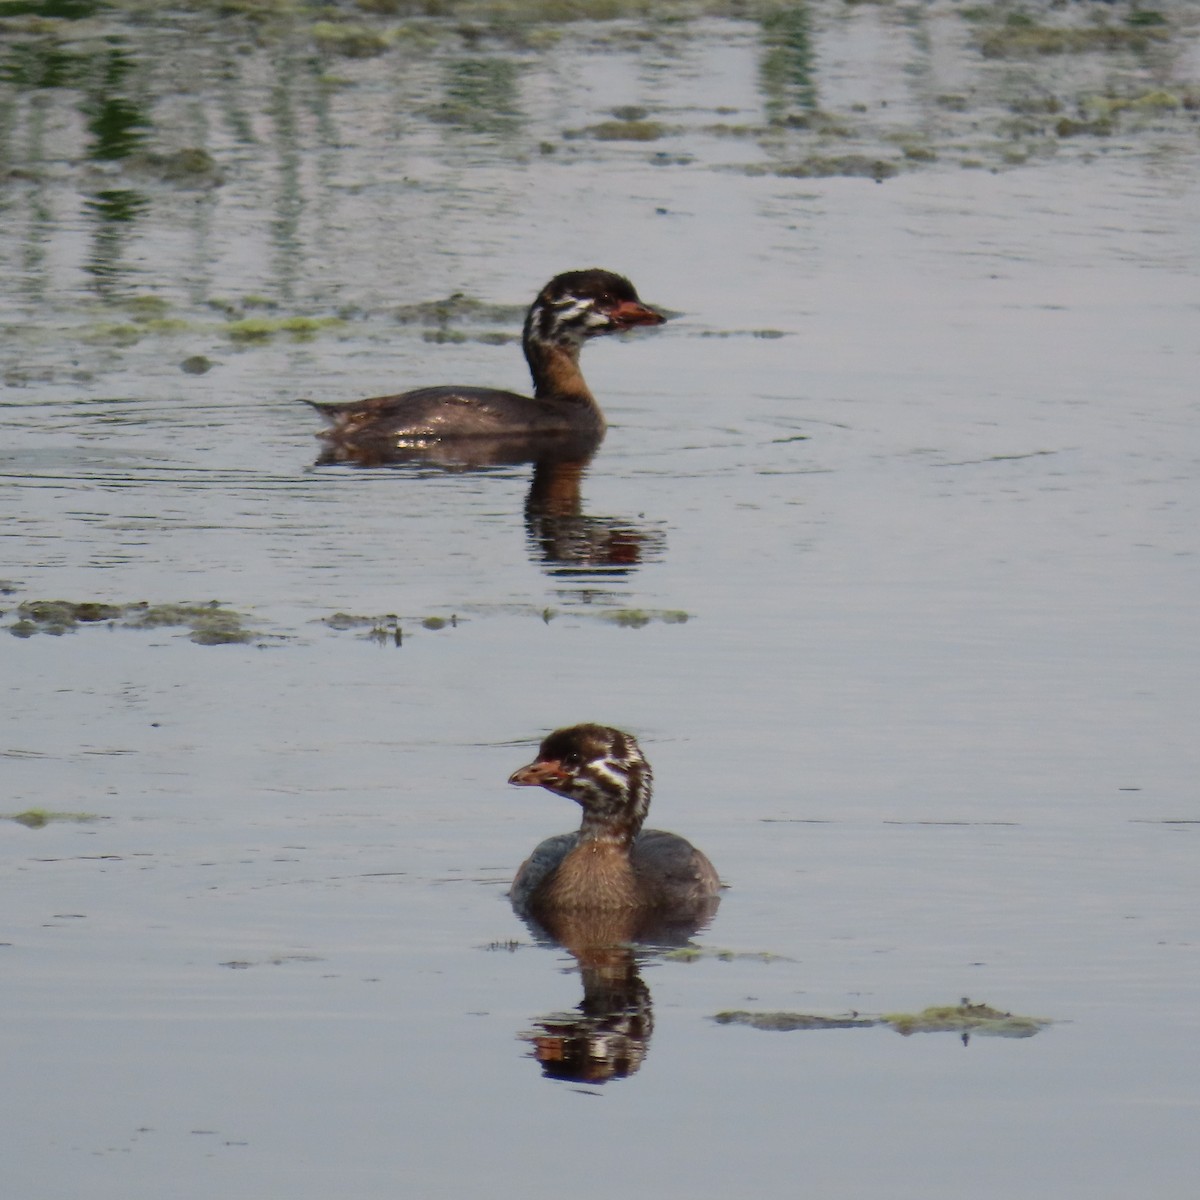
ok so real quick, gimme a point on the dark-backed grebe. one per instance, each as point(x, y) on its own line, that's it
point(569, 310)
point(612, 862)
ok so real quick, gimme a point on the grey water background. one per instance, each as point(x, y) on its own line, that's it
point(917, 458)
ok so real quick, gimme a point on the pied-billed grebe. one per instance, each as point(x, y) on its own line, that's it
point(570, 309)
point(611, 863)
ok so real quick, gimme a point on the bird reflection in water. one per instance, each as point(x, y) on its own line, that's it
point(570, 542)
point(607, 1035)
point(563, 538)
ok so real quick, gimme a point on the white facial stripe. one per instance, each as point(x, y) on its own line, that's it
point(603, 769)
point(571, 307)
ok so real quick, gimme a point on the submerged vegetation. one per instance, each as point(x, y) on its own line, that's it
point(215, 624)
point(1019, 34)
point(639, 130)
point(92, 135)
point(692, 953)
point(470, 60)
point(963, 1019)
point(255, 320)
point(393, 629)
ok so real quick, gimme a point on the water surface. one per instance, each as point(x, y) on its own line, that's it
point(904, 615)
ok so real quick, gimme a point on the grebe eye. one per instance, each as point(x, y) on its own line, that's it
point(571, 759)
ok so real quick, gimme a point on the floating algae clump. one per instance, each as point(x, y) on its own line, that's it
point(57, 617)
point(964, 1018)
point(850, 166)
point(36, 818)
point(259, 329)
point(211, 624)
point(637, 618)
point(627, 131)
point(349, 40)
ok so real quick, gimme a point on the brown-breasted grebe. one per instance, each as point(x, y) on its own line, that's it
point(569, 310)
point(611, 862)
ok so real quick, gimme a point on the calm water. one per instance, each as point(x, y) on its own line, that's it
point(916, 459)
